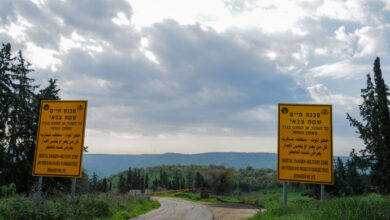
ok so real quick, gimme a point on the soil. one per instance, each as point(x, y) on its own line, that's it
point(174, 208)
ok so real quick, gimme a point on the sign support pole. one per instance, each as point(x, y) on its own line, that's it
point(73, 188)
point(39, 189)
point(285, 193)
point(322, 192)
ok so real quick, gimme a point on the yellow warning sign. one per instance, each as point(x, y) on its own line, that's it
point(305, 144)
point(60, 141)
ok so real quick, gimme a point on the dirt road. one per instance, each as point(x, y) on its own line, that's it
point(232, 211)
point(174, 208)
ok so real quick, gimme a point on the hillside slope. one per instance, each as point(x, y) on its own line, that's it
point(108, 164)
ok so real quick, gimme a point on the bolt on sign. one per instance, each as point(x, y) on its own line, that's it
point(60, 141)
point(305, 144)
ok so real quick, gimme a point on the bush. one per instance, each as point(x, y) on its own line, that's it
point(349, 208)
point(7, 191)
point(17, 207)
point(92, 206)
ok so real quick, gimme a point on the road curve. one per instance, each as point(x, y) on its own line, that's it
point(173, 208)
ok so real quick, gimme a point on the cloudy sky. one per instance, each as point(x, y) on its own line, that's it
point(201, 76)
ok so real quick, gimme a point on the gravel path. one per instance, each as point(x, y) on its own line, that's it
point(233, 211)
point(175, 209)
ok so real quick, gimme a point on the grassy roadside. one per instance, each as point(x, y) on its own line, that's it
point(212, 199)
point(372, 206)
point(91, 206)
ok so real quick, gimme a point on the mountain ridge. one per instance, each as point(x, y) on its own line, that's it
point(107, 164)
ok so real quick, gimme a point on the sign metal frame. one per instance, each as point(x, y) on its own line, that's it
point(37, 146)
point(331, 182)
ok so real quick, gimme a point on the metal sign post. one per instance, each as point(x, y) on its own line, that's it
point(285, 193)
point(60, 139)
point(305, 145)
point(73, 188)
point(39, 191)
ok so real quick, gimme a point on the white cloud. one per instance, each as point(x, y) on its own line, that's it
point(42, 58)
point(271, 16)
point(263, 113)
point(340, 70)
point(347, 10)
point(88, 85)
point(219, 94)
point(121, 19)
point(144, 49)
point(161, 74)
point(371, 41)
point(130, 143)
point(17, 30)
point(39, 3)
point(321, 95)
point(78, 41)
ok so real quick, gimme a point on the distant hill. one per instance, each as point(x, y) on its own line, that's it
point(108, 164)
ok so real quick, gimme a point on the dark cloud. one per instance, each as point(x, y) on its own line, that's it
point(203, 81)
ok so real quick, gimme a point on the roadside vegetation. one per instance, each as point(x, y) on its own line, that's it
point(372, 206)
point(89, 206)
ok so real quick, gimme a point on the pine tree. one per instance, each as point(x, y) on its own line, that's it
point(19, 111)
point(20, 126)
point(374, 131)
point(104, 185)
point(94, 187)
point(122, 184)
point(199, 181)
point(146, 181)
point(176, 184)
point(6, 97)
point(129, 179)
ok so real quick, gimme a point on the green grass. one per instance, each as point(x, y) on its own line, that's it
point(90, 206)
point(372, 206)
point(136, 208)
point(212, 199)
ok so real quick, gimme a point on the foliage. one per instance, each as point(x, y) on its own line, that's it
point(374, 131)
point(91, 206)
point(364, 207)
point(212, 199)
point(19, 111)
point(251, 179)
point(348, 180)
point(174, 177)
point(220, 181)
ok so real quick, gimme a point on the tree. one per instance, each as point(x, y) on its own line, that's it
point(374, 131)
point(94, 182)
point(220, 180)
point(146, 181)
point(19, 111)
point(104, 186)
point(129, 179)
point(18, 131)
point(190, 174)
point(199, 181)
point(122, 185)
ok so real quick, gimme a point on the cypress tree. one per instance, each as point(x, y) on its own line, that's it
point(146, 181)
point(129, 179)
point(374, 131)
point(122, 184)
